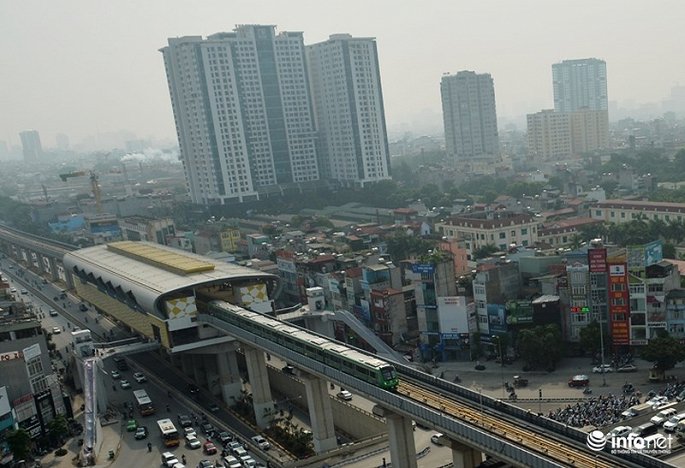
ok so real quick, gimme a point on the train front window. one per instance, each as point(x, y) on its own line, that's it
point(388, 373)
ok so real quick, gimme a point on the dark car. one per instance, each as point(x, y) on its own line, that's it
point(224, 437)
point(184, 420)
point(207, 428)
point(288, 369)
point(83, 308)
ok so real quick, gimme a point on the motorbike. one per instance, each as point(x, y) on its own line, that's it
point(587, 391)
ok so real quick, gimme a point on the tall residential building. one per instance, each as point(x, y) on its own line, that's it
point(589, 130)
point(348, 107)
point(470, 118)
point(549, 136)
point(580, 84)
point(30, 142)
point(243, 112)
point(62, 141)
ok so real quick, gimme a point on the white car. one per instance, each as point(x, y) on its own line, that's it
point(672, 424)
point(248, 461)
point(53, 313)
point(261, 442)
point(190, 431)
point(658, 401)
point(125, 384)
point(602, 369)
point(437, 438)
point(169, 459)
point(140, 377)
point(56, 330)
point(663, 416)
point(13, 290)
point(193, 442)
point(231, 462)
point(115, 374)
point(620, 431)
point(344, 395)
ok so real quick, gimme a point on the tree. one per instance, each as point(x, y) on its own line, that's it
point(485, 251)
point(539, 346)
point(402, 246)
point(58, 427)
point(589, 338)
point(19, 442)
point(669, 250)
point(664, 351)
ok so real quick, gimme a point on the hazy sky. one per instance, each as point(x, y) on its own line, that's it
point(86, 66)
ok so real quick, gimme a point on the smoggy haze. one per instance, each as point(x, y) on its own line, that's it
point(81, 67)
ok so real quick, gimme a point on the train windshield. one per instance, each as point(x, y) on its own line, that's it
point(388, 373)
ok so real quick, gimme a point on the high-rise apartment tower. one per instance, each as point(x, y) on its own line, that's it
point(243, 112)
point(470, 117)
point(348, 105)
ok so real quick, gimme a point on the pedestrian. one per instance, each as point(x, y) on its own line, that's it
point(149, 447)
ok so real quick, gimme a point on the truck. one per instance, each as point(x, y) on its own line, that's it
point(636, 410)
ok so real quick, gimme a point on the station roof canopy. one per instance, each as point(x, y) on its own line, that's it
point(151, 270)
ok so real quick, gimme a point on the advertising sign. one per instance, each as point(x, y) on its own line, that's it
point(620, 334)
point(10, 355)
point(452, 314)
point(31, 352)
point(423, 268)
point(496, 318)
point(617, 270)
point(519, 312)
point(653, 252)
point(597, 260)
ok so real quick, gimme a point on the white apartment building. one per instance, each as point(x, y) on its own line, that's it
point(477, 230)
point(470, 116)
point(243, 112)
point(623, 211)
point(589, 130)
point(579, 84)
point(348, 106)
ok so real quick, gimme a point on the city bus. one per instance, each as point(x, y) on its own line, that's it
point(168, 432)
point(144, 403)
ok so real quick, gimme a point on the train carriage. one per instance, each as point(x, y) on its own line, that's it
point(329, 352)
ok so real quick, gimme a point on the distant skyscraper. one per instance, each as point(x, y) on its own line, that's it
point(30, 142)
point(580, 84)
point(470, 117)
point(348, 108)
point(243, 112)
point(62, 141)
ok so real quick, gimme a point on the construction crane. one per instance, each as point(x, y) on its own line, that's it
point(94, 186)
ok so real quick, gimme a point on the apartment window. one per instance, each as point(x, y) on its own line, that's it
point(612, 214)
point(524, 231)
point(618, 301)
point(619, 317)
point(598, 212)
point(513, 233)
point(618, 286)
point(502, 235)
point(623, 214)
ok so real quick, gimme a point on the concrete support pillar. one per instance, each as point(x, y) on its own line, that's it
point(187, 365)
point(229, 377)
point(198, 370)
point(54, 272)
point(259, 382)
point(464, 456)
point(401, 435)
point(320, 414)
point(69, 278)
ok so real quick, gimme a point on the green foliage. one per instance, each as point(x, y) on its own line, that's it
point(641, 231)
point(590, 341)
point(540, 347)
point(402, 246)
point(322, 221)
point(58, 427)
point(669, 251)
point(19, 443)
point(664, 351)
point(485, 251)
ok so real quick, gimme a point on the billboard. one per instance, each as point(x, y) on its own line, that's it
point(453, 314)
point(496, 318)
point(597, 260)
point(519, 312)
point(653, 252)
point(423, 268)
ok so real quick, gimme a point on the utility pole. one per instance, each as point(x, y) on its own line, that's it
point(601, 346)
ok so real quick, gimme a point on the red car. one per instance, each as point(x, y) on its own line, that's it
point(209, 448)
point(579, 381)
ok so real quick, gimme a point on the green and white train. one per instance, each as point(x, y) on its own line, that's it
point(331, 353)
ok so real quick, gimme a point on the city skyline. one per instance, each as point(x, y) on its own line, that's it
point(92, 79)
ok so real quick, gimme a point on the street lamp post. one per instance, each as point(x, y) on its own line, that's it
point(601, 347)
point(501, 361)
